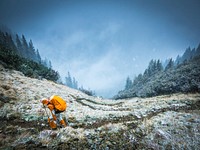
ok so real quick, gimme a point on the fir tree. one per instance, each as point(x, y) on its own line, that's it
point(19, 45)
point(197, 53)
point(1, 38)
point(170, 65)
point(8, 42)
point(50, 65)
point(38, 57)
point(159, 66)
point(25, 47)
point(187, 55)
point(68, 80)
point(128, 83)
point(31, 51)
point(45, 62)
point(75, 83)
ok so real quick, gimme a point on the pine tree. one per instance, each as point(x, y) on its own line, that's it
point(1, 37)
point(25, 52)
point(75, 83)
point(187, 55)
point(38, 57)
point(19, 45)
point(59, 81)
point(128, 83)
point(8, 42)
point(45, 62)
point(159, 66)
point(192, 53)
point(178, 59)
point(198, 51)
point(151, 68)
point(12, 44)
point(170, 65)
point(50, 65)
point(68, 80)
point(31, 51)
point(137, 79)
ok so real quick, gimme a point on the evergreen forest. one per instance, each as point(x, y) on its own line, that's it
point(174, 76)
point(16, 53)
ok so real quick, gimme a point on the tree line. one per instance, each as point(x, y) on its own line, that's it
point(181, 75)
point(73, 83)
point(16, 53)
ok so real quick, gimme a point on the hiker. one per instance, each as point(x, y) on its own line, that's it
point(56, 105)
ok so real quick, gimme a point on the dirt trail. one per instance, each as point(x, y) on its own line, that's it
point(94, 123)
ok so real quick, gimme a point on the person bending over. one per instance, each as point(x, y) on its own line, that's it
point(56, 105)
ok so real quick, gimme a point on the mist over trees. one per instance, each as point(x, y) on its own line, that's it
point(73, 83)
point(16, 53)
point(172, 76)
point(181, 75)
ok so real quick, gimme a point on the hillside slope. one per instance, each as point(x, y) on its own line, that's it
point(168, 121)
point(184, 78)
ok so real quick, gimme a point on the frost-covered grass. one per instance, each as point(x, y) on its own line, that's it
point(162, 122)
point(172, 130)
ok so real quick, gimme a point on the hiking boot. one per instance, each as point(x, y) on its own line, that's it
point(63, 124)
point(52, 124)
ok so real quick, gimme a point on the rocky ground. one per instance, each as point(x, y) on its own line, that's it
point(163, 122)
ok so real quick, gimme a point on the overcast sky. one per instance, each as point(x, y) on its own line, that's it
point(101, 42)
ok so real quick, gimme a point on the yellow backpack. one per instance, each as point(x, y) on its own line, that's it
point(59, 103)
